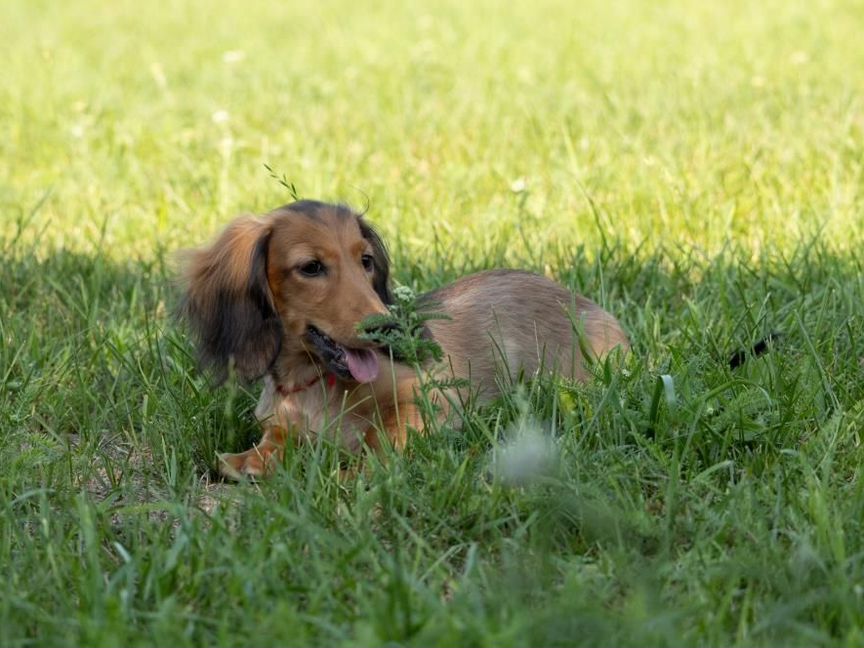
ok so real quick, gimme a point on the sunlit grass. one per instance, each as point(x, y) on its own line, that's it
point(683, 123)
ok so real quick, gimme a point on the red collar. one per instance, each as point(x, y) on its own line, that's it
point(286, 391)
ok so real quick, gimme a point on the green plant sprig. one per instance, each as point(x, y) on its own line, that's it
point(408, 339)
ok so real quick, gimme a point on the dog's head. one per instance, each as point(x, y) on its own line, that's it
point(298, 281)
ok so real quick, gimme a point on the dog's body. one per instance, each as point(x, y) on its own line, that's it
point(283, 296)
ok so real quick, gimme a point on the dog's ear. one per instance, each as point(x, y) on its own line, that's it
point(228, 301)
point(382, 261)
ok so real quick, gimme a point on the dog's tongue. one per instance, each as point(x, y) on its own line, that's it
point(363, 364)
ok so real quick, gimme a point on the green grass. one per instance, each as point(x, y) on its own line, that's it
point(694, 167)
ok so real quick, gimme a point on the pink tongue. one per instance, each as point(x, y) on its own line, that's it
point(363, 364)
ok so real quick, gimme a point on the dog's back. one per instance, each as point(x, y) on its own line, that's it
point(505, 322)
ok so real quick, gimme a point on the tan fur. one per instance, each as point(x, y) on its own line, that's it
point(251, 307)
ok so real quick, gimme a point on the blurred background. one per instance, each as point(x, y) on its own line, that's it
point(133, 127)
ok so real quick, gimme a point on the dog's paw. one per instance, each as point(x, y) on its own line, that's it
point(254, 463)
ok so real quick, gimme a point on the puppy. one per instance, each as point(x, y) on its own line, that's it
point(281, 297)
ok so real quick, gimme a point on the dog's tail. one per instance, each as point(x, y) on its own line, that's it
point(762, 346)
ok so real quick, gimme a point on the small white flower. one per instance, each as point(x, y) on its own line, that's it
point(220, 117)
point(403, 293)
point(519, 185)
point(233, 56)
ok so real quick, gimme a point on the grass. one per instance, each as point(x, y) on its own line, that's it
point(696, 168)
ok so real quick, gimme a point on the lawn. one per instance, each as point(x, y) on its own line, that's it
point(696, 168)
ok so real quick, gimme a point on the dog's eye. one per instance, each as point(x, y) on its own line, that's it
point(368, 262)
point(312, 269)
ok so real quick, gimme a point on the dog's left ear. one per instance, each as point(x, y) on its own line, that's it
point(381, 282)
point(228, 302)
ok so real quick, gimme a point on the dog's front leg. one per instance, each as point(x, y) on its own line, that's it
point(257, 461)
point(395, 423)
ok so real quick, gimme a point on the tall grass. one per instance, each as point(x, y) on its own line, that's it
point(695, 168)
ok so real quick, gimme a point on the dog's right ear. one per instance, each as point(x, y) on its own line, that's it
point(228, 301)
point(381, 281)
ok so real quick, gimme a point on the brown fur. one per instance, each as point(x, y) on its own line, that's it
point(250, 304)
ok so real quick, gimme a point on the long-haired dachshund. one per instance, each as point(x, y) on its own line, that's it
point(282, 297)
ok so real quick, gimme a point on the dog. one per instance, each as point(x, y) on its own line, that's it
point(282, 297)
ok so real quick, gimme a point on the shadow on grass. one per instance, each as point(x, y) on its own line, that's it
point(91, 348)
point(684, 490)
point(94, 366)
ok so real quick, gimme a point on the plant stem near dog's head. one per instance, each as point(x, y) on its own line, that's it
point(404, 330)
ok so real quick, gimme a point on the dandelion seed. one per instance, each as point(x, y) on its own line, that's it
point(757, 81)
point(528, 456)
point(519, 185)
point(221, 117)
point(77, 131)
point(233, 56)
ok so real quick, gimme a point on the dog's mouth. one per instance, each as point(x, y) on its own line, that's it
point(349, 364)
